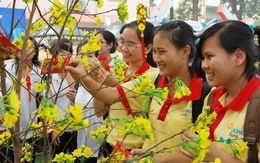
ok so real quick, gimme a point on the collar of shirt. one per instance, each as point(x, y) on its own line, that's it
point(195, 87)
point(140, 71)
point(237, 104)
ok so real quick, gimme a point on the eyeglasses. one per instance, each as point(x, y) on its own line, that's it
point(129, 46)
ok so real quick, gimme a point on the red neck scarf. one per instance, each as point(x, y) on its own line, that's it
point(195, 87)
point(140, 71)
point(236, 105)
point(121, 92)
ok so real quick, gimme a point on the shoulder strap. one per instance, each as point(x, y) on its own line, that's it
point(251, 126)
point(197, 105)
point(158, 78)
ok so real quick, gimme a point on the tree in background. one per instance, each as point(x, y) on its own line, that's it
point(244, 8)
point(184, 11)
point(153, 3)
point(187, 10)
point(195, 12)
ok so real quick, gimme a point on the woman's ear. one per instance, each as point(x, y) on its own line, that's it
point(148, 48)
point(186, 53)
point(239, 56)
point(110, 45)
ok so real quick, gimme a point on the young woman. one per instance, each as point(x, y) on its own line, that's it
point(108, 46)
point(173, 55)
point(28, 96)
point(130, 44)
point(84, 98)
point(228, 54)
point(60, 84)
point(30, 74)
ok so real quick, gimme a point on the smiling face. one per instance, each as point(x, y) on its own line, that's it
point(218, 65)
point(131, 49)
point(168, 57)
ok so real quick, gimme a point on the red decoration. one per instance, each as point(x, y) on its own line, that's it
point(104, 62)
point(28, 85)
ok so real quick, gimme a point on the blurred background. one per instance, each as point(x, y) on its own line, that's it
point(198, 13)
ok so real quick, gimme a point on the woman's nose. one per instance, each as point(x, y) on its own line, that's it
point(204, 64)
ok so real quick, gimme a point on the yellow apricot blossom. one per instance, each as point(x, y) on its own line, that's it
point(75, 113)
point(100, 3)
point(62, 158)
point(4, 137)
point(37, 26)
point(140, 127)
point(83, 151)
point(84, 60)
point(119, 69)
point(93, 44)
point(12, 113)
point(47, 111)
point(122, 11)
point(98, 20)
point(180, 89)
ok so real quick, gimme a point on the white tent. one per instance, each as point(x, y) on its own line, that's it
point(51, 35)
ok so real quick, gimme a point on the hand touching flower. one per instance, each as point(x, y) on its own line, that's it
point(76, 69)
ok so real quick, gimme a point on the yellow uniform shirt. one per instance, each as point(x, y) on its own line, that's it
point(175, 120)
point(229, 123)
point(119, 110)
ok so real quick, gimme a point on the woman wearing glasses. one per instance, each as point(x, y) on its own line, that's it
point(130, 46)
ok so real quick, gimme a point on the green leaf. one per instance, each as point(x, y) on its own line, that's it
point(145, 105)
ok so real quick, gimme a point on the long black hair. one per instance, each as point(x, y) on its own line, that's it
point(35, 59)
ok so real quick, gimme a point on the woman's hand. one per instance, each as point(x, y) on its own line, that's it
point(137, 151)
point(99, 74)
point(93, 71)
point(187, 136)
point(213, 153)
point(76, 69)
point(71, 94)
point(106, 77)
point(55, 139)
